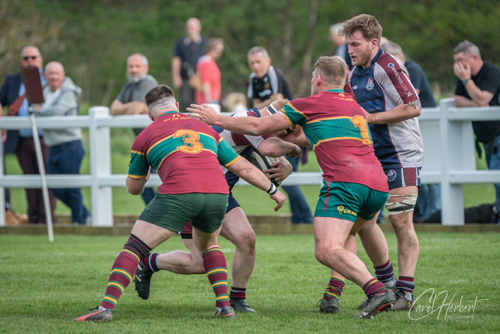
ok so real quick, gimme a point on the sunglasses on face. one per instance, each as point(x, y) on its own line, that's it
point(28, 57)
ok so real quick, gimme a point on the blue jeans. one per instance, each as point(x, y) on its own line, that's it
point(493, 162)
point(429, 199)
point(67, 159)
point(301, 213)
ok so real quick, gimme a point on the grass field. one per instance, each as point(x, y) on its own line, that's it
point(253, 200)
point(45, 286)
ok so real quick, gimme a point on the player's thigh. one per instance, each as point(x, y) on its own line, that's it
point(341, 200)
point(236, 227)
point(211, 211)
point(172, 211)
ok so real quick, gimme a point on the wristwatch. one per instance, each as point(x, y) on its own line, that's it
point(464, 82)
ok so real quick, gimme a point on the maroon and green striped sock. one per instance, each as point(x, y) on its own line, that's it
point(374, 287)
point(123, 270)
point(334, 288)
point(215, 266)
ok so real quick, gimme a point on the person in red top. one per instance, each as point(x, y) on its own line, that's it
point(210, 73)
point(186, 154)
point(354, 184)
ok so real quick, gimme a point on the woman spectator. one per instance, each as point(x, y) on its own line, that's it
point(210, 73)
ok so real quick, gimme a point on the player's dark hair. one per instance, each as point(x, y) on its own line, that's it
point(332, 70)
point(160, 92)
point(368, 24)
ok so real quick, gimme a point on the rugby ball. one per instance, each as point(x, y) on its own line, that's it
point(262, 162)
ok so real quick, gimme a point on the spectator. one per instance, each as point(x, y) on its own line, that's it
point(13, 95)
point(130, 100)
point(340, 45)
point(188, 50)
point(268, 84)
point(478, 85)
point(429, 195)
point(66, 149)
point(210, 73)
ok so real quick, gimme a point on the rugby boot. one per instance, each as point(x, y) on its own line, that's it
point(226, 312)
point(96, 315)
point(329, 306)
point(363, 304)
point(402, 302)
point(241, 305)
point(377, 303)
point(142, 280)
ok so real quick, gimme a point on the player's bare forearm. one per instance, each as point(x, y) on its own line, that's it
point(300, 140)
point(254, 126)
point(135, 186)
point(275, 147)
point(399, 113)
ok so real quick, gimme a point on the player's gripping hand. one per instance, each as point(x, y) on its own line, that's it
point(204, 113)
point(279, 198)
point(279, 171)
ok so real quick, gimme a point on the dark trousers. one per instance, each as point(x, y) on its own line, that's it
point(66, 159)
point(26, 155)
point(187, 95)
point(301, 213)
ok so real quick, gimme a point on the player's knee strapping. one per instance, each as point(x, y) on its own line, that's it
point(135, 246)
point(406, 205)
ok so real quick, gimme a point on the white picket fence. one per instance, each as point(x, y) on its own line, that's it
point(448, 158)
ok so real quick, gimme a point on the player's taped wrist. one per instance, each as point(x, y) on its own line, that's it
point(272, 189)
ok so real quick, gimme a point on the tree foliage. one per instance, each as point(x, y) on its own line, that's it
point(94, 38)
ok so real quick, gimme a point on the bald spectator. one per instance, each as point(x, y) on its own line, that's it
point(188, 50)
point(131, 99)
point(20, 142)
point(66, 149)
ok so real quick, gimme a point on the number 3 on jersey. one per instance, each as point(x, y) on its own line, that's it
point(360, 122)
point(191, 141)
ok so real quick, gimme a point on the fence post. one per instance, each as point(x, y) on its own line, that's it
point(2, 189)
point(100, 166)
point(452, 158)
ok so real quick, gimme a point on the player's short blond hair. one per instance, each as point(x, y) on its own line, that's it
point(331, 69)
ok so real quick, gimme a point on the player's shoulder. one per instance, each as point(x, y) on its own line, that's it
point(388, 62)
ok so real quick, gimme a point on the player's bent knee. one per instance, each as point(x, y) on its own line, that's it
point(406, 205)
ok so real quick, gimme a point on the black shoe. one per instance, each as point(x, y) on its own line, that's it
point(402, 303)
point(226, 312)
point(241, 305)
point(377, 303)
point(363, 304)
point(142, 280)
point(96, 315)
point(329, 306)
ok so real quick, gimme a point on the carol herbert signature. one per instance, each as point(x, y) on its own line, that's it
point(431, 303)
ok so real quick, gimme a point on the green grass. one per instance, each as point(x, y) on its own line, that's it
point(253, 200)
point(46, 285)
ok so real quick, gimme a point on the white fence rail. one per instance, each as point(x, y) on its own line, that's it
point(448, 158)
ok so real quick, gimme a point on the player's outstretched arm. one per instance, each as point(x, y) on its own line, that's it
point(248, 172)
point(275, 147)
point(254, 126)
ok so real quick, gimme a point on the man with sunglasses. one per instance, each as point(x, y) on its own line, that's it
point(20, 142)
